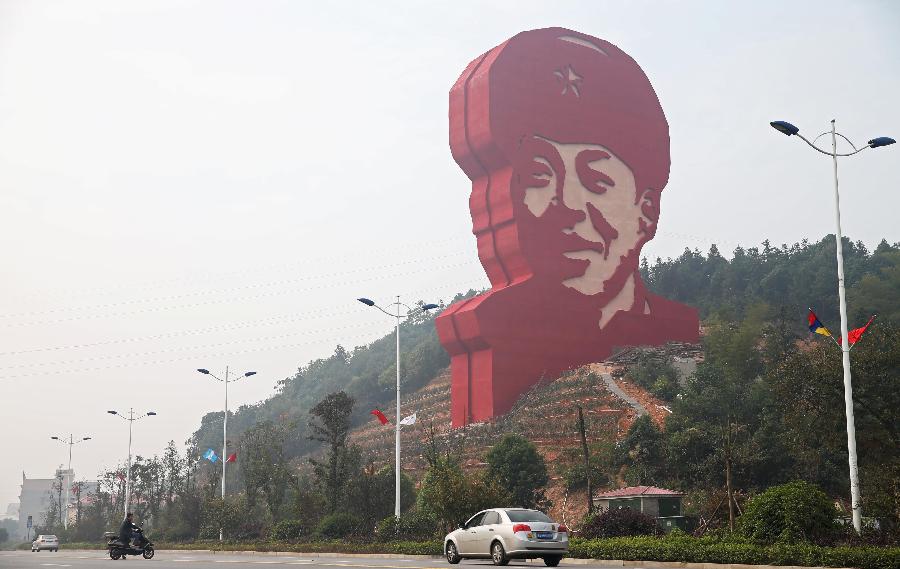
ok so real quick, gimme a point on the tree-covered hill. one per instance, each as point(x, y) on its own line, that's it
point(367, 373)
point(788, 279)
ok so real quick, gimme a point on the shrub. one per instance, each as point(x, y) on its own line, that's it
point(337, 526)
point(790, 513)
point(708, 550)
point(414, 526)
point(618, 522)
point(286, 530)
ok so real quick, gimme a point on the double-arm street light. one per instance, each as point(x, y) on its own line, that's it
point(131, 419)
point(228, 379)
point(71, 441)
point(399, 315)
point(791, 130)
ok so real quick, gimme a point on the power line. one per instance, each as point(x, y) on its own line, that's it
point(210, 292)
point(225, 300)
point(313, 314)
point(368, 325)
point(406, 246)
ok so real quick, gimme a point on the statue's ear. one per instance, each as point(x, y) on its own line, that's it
point(649, 200)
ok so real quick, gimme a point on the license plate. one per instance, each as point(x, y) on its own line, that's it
point(544, 534)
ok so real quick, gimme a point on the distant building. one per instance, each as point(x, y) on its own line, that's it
point(662, 504)
point(34, 499)
point(12, 512)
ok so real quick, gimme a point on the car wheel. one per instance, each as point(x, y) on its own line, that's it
point(452, 554)
point(498, 554)
point(552, 560)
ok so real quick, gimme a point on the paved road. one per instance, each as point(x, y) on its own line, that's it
point(617, 391)
point(204, 560)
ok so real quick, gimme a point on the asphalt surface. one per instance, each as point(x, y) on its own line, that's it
point(206, 560)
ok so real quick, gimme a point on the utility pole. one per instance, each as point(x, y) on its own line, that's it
point(587, 461)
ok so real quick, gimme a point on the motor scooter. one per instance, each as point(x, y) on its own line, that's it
point(137, 546)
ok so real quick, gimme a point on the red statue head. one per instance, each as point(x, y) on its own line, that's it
point(567, 148)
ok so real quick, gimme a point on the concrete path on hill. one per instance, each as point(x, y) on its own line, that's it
point(617, 391)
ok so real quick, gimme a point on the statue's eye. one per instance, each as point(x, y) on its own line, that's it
point(593, 180)
point(538, 173)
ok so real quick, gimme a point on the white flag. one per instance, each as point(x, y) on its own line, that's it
point(411, 420)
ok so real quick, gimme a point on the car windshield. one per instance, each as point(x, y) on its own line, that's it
point(527, 516)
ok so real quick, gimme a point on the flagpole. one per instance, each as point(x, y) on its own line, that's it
point(788, 129)
point(398, 315)
point(855, 505)
point(224, 449)
point(226, 381)
point(397, 433)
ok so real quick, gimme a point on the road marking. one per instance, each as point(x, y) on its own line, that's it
point(54, 565)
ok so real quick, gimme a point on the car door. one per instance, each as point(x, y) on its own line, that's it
point(488, 529)
point(468, 535)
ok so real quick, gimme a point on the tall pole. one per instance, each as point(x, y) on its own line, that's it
point(399, 316)
point(845, 349)
point(224, 449)
point(66, 510)
point(397, 424)
point(128, 468)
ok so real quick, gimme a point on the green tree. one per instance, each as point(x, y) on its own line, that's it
point(643, 452)
point(712, 425)
point(440, 492)
point(372, 493)
point(264, 466)
point(330, 424)
point(517, 465)
point(797, 511)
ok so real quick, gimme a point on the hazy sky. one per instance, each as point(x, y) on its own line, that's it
point(195, 184)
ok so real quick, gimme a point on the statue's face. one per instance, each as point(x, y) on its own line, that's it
point(583, 220)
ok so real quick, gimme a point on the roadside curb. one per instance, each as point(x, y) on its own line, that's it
point(568, 560)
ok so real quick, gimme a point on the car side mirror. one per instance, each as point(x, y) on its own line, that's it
point(461, 525)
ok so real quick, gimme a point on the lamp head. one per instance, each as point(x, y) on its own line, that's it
point(203, 371)
point(784, 127)
point(429, 306)
point(86, 438)
point(113, 412)
point(881, 141)
point(249, 373)
point(151, 413)
point(55, 438)
point(366, 301)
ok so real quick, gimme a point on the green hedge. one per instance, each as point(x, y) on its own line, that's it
point(671, 548)
point(708, 550)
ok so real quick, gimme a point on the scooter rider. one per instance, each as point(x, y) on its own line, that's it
point(127, 530)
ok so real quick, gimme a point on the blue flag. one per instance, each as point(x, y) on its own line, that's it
point(210, 455)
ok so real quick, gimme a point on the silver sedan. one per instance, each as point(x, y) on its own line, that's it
point(502, 534)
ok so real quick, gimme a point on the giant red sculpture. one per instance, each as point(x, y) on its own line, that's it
point(567, 148)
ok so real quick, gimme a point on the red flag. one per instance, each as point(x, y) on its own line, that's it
point(380, 415)
point(232, 457)
point(856, 334)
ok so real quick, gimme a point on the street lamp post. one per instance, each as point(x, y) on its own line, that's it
point(131, 419)
point(791, 130)
point(71, 442)
point(226, 381)
point(399, 316)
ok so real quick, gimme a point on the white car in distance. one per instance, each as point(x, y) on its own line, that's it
point(501, 534)
point(50, 542)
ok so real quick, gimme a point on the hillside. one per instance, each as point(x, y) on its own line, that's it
point(786, 279)
point(547, 415)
